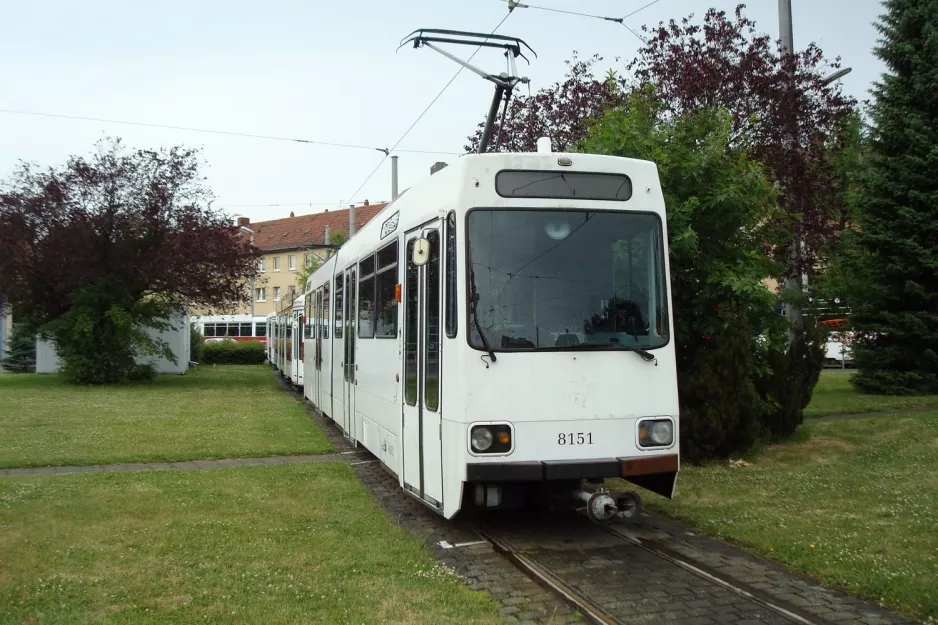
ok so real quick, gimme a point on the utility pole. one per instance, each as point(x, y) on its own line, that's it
point(393, 177)
point(246, 229)
point(787, 48)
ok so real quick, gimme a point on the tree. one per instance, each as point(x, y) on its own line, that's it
point(96, 251)
point(895, 295)
point(561, 112)
point(308, 269)
point(721, 214)
point(781, 112)
point(20, 356)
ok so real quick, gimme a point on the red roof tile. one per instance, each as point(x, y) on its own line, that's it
point(305, 231)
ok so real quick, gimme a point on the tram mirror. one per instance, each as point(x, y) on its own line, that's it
point(421, 252)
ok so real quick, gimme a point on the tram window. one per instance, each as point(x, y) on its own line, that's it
point(245, 329)
point(387, 256)
point(325, 311)
point(563, 184)
point(410, 327)
point(338, 306)
point(386, 303)
point(367, 266)
point(431, 339)
point(451, 325)
point(366, 307)
point(209, 330)
point(366, 298)
point(308, 312)
point(262, 329)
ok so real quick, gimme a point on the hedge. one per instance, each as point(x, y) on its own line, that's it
point(234, 353)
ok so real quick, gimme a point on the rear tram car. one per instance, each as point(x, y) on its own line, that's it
point(501, 331)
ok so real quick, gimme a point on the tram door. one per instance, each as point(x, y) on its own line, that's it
point(422, 424)
point(350, 369)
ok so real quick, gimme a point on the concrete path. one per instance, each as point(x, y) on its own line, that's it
point(192, 464)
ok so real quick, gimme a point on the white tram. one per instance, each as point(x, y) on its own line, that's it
point(503, 330)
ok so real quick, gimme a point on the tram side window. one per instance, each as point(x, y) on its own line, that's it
point(431, 338)
point(308, 313)
point(410, 327)
point(386, 303)
point(366, 298)
point(338, 306)
point(451, 325)
point(325, 311)
point(262, 329)
point(245, 329)
point(209, 330)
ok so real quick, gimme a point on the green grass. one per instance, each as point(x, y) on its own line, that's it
point(850, 502)
point(835, 395)
point(301, 543)
point(222, 412)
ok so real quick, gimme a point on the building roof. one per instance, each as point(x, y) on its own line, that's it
point(304, 231)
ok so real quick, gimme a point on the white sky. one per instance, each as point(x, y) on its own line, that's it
point(317, 70)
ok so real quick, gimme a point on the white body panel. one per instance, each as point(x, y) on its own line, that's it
point(596, 396)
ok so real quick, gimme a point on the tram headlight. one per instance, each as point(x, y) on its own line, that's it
point(490, 438)
point(482, 438)
point(655, 433)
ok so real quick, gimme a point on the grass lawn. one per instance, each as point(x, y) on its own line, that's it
point(835, 395)
point(302, 543)
point(231, 411)
point(851, 502)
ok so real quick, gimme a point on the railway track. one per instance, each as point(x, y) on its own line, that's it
point(568, 576)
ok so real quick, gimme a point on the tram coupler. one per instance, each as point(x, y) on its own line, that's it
point(603, 507)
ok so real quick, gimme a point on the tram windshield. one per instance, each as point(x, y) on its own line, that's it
point(563, 279)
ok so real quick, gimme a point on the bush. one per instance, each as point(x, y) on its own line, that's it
point(234, 353)
point(20, 356)
point(196, 342)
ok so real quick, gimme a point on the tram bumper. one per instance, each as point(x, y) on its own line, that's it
point(656, 473)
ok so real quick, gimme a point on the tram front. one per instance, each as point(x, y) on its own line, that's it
point(567, 292)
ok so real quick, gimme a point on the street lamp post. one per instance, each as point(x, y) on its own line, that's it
point(251, 294)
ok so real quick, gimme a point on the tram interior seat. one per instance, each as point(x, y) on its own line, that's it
point(564, 340)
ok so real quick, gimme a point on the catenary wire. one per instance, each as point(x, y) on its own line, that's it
point(215, 132)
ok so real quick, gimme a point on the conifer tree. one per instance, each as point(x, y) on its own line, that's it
point(896, 286)
point(20, 356)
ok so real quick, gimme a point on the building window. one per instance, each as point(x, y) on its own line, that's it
point(308, 260)
point(291, 262)
point(276, 293)
point(386, 302)
point(276, 263)
point(259, 294)
point(260, 264)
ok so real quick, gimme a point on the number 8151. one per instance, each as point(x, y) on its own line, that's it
point(578, 438)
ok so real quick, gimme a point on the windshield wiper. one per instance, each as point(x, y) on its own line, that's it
point(646, 355)
point(473, 301)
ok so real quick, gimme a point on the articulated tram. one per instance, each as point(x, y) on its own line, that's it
point(501, 332)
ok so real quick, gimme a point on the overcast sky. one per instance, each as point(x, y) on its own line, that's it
point(316, 70)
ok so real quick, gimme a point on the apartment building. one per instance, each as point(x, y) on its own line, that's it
point(291, 243)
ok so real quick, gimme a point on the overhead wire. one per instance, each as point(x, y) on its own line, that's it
point(216, 132)
point(513, 4)
point(424, 112)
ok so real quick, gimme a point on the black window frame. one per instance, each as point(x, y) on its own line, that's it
point(450, 279)
point(339, 305)
point(367, 263)
point(668, 303)
point(382, 271)
point(564, 197)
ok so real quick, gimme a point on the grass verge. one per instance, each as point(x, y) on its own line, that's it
point(222, 412)
point(851, 502)
point(302, 543)
point(835, 395)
